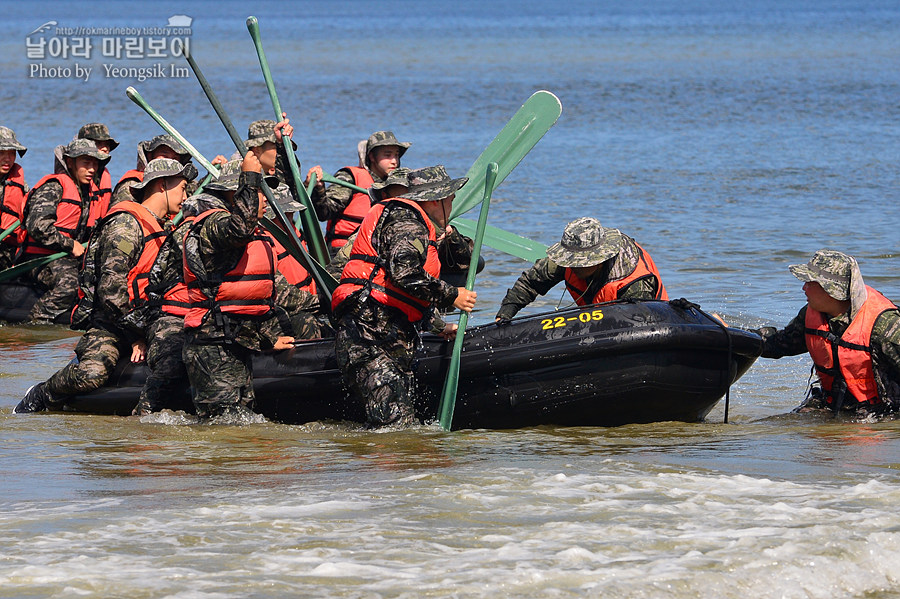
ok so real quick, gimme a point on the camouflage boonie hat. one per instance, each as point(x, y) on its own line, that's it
point(8, 141)
point(229, 177)
point(384, 138)
point(830, 269)
point(585, 242)
point(161, 168)
point(432, 183)
point(398, 176)
point(84, 147)
point(164, 140)
point(283, 196)
point(97, 132)
point(260, 132)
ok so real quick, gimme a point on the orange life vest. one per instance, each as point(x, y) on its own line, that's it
point(100, 197)
point(340, 228)
point(173, 298)
point(365, 269)
point(132, 175)
point(645, 268)
point(152, 238)
point(853, 350)
point(293, 271)
point(70, 218)
point(12, 204)
point(248, 289)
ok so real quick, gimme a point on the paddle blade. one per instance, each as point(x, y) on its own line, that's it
point(510, 243)
point(527, 126)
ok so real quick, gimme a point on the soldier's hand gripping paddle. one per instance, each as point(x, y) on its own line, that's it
point(325, 283)
point(448, 396)
point(311, 229)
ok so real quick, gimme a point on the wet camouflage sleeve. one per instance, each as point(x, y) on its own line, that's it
point(40, 217)
point(120, 246)
point(455, 251)
point(537, 280)
point(332, 202)
point(886, 354)
point(402, 242)
point(235, 229)
point(789, 341)
point(283, 170)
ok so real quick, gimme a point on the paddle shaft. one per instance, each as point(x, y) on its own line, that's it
point(139, 100)
point(310, 225)
point(14, 271)
point(10, 229)
point(451, 383)
point(325, 283)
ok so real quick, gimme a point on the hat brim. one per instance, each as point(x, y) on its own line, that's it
point(137, 189)
point(103, 157)
point(255, 142)
point(833, 289)
point(403, 145)
point(608, 248)
point(11, 146)
point(434, 192)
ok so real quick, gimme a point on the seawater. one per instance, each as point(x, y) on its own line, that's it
point(730, 140)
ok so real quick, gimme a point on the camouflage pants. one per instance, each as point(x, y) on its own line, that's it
point(98, 351)
point(221, 377)
point(376, 366)
point(7, 254)
point(168, 377)
point(60, 279)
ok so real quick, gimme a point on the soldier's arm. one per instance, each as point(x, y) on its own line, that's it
point(641, 289)
point(537, 280)
point(236, 229)
point(332, 201)
point(789, 341)
point(40, 217)
point(403, 244)
point(886, 345)
point(455, 250)
point(120, 247)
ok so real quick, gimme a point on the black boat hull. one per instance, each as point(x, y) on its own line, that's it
point(16, 300)
point(602, 365)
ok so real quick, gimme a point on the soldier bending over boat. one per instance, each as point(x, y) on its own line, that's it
point(852, 333)
point(598, 265)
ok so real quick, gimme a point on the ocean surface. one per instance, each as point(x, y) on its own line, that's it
point(730, 139)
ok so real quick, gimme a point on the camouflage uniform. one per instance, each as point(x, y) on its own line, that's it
point(375, 344)
point(218, 353)
point(60, 277)
point(884, 341)
point(8, 141)
point(546, 274)
point(331, 202)
point(110, 332)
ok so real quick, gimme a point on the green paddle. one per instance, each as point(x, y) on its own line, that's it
point(448, 396)
point(10, 229)
point(135, 97)
point(510, 243)
point(15, 271)
point(514, 141)
point(311, 229)
point(515, 245)
point(325, 283)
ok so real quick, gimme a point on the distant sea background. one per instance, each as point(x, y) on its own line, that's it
point(730, 139)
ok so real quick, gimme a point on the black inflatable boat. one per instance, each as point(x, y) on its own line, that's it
point(600, 365)
point(16, 300)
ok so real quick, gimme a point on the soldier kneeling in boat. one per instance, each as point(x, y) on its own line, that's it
point(388, 292)
point(598, 265)
point(852, 333)
point(112, 284)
